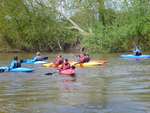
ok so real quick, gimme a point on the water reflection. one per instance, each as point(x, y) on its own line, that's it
point(68, 84)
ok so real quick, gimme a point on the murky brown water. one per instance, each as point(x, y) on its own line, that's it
point(121, 86)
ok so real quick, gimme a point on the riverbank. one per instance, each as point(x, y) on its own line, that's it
point(8, 50)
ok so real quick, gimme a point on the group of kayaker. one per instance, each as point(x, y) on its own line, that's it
point(82, 58)
point(64, 63)
point(16, 63)
point(61, 62)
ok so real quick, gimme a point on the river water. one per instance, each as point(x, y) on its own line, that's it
point(121, 86)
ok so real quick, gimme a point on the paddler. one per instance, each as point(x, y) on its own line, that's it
point(38, 57)
point(65, 65)
point(15, 63)
point(137, 52)
point(87, 57)
point(83, 58)
point(59, 60)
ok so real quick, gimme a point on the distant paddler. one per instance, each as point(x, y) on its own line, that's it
point(83, 58)
point(38, 57)
point(137, 51)
point(58, 61)
point(15, 63)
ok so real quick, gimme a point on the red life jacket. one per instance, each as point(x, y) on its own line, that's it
point(82, 59)
point(87, 58)
point(65, 66)
point(59, 61)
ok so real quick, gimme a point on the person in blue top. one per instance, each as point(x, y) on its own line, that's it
point(15, 63)
point(137, 52)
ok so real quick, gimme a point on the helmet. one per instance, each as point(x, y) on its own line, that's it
point(38, 53)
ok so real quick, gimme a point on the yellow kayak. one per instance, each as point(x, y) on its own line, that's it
point(89, 64)
point(50, 65)
point(76, 64)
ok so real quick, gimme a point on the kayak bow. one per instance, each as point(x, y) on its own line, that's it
point(67, 72)
point(21, 69)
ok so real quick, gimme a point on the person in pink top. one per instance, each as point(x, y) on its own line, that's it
point(59, 60)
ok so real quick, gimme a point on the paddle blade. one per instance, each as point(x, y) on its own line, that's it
point(2, 70)
point(48, 73)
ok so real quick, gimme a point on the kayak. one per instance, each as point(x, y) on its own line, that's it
point(43, 58)
point(51, 65)
point(34, 62)
point(31, 61)
point(136, 57)
point(87, 64)
point(67, 72)
point(20, 69)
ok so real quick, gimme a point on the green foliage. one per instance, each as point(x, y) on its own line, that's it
point(121, 30)
point(33, 25)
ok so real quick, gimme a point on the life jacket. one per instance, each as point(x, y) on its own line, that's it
point(59, 61)
point(82, 59)
point(66, 66)
point(17, 64)
point(87, 58)
point(38, 58)
point(138, 52)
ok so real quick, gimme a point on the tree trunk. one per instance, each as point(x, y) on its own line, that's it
point(60, 47)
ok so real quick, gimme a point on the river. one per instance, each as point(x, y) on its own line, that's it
point(121, 86)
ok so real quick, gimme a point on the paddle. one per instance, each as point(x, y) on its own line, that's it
point(2, 70)
point(51, 73)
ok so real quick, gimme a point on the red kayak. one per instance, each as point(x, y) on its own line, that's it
point(67, 72)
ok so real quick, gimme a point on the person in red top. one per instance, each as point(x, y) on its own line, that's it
point(87, 58)
point(81, 58)
point(59, 60)
point(84, 58)
point(65, 65)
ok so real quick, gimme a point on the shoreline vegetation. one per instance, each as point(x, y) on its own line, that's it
point(61, 25)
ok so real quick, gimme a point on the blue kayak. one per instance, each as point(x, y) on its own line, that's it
point(33, 62)
point(136, 57)
point(20, 69)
